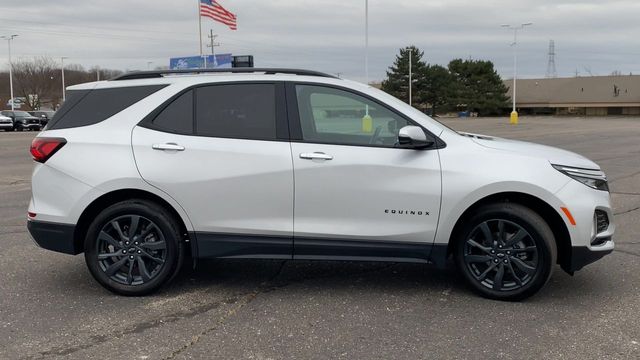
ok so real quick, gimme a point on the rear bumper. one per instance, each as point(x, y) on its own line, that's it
point(54, 236)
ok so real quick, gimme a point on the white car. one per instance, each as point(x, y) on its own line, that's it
point(6, 123)
point(299, 165)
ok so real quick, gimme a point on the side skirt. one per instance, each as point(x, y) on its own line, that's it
point(242, 246)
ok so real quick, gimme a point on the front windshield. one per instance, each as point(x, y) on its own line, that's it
point(22, 114)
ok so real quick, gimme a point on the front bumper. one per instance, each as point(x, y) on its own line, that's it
point(53, 236)
point(589, 243)
point(6, 126)
point(582, 256)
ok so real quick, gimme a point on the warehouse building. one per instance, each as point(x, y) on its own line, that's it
point(590, 96)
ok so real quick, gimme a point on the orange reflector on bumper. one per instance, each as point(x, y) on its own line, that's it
point(569, 216)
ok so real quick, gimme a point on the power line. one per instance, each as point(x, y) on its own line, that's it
point(84, 26)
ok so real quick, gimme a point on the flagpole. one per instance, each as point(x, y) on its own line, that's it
point(200, 27)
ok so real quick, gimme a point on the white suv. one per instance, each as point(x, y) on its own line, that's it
point(146, 169)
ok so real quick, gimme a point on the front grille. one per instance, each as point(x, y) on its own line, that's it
point(602, 221)
point(34, 121)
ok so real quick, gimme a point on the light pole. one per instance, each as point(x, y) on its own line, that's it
point(9, 38)
point(366, 40)
point(149, 63)
point(515, 28)
point(410, 76)
point(64, 88)
point(367, 120)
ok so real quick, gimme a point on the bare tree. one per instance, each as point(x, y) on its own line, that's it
point(39, 80)
point(35, 80)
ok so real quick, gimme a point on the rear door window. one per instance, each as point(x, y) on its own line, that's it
point(88, 107)
point(242, 111)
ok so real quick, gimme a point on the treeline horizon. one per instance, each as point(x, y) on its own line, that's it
point(42, 77)
point(463, 85)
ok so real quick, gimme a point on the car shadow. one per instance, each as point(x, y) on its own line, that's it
point(256, 276)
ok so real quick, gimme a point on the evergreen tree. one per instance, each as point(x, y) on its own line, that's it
point(397, 82)
point(478, 86)
point(436, 84)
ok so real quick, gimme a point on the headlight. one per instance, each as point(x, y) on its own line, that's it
point(595, 179)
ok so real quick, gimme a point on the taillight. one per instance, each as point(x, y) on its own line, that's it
point(43, 148)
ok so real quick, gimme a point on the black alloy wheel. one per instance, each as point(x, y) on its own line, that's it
point(501, 255)
point(505, 251)
point(131, 250)
point(134, 247)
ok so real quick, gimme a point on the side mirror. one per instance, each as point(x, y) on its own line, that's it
point(413, 137)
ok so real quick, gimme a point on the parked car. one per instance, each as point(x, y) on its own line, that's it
point(6, 123)
point(22, 120)
point(281, 164)
point(44, 116)
point(17, 102)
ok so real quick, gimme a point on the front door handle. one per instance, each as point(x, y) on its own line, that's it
point(316, 156)
point(168, 147)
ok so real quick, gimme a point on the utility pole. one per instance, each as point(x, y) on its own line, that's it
point(98, 73)
point(64, 88)
point(9, 38)
point(410, 76)
point(514, 45)
point(212, 44)
point(149, 65)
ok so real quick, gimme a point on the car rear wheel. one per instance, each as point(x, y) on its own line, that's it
point(133, 247)
point(505, 251)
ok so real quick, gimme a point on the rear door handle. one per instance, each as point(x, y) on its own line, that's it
point(316, 156)
point(168, 147)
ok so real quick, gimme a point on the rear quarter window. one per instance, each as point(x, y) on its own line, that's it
point(89, 107)
point(177, 117)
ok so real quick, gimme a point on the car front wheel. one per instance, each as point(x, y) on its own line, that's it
point(133, 247)
point(505, 251)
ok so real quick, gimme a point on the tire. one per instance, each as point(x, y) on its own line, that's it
point(512, 266)
point(134, 266)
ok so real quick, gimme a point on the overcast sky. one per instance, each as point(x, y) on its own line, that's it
point(592, 37)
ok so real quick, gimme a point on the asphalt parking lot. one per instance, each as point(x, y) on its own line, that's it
point(51, 307)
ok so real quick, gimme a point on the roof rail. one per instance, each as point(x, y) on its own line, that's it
point(160, 73)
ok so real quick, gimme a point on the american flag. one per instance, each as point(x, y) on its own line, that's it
point(212, 9)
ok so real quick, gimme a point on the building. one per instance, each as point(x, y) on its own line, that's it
point(591, 96)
